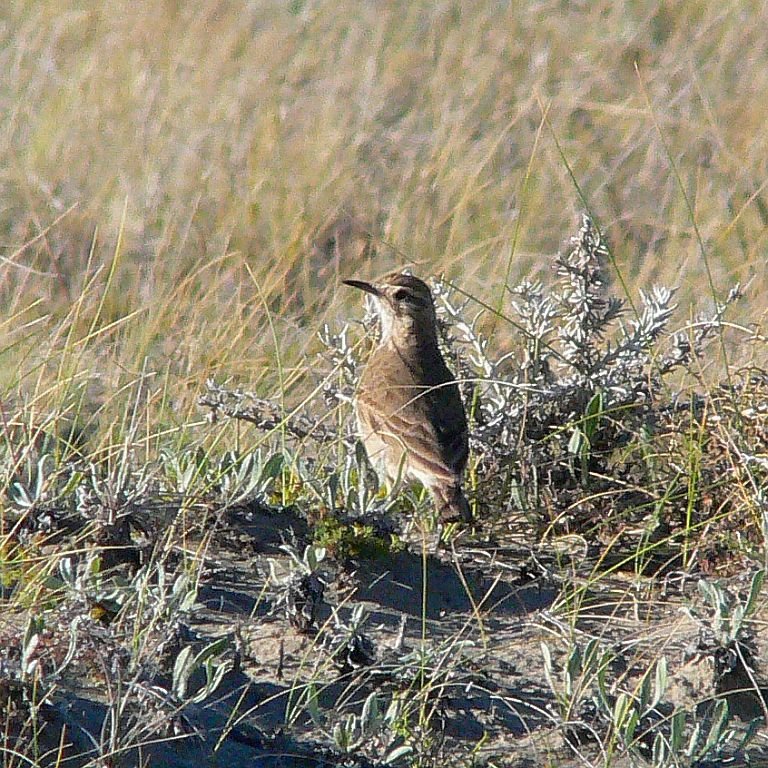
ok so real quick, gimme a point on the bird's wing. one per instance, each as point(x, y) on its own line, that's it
point(450, 424)
point(424, 422)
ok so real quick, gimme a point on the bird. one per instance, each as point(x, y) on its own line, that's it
point(410, 416)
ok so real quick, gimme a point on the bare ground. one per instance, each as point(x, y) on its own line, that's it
point(477, 694)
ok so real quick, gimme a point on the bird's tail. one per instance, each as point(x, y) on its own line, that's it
point(451, 504)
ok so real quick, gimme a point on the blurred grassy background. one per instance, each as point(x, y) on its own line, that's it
point(183, 184)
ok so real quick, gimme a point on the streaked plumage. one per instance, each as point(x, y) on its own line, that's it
point(409, 412)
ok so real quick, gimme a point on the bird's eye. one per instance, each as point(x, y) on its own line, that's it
point(401, 294)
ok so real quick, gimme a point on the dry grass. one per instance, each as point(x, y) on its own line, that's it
point(193, 154)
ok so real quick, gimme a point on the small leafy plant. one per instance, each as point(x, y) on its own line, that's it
point(638, 723)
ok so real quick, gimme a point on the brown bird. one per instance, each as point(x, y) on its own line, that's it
point(409, 412)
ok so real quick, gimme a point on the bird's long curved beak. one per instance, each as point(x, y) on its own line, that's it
point(363, 286)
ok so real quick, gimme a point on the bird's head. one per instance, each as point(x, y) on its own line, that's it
point(404, 305)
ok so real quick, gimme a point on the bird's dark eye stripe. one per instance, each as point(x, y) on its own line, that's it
point(401, 294)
